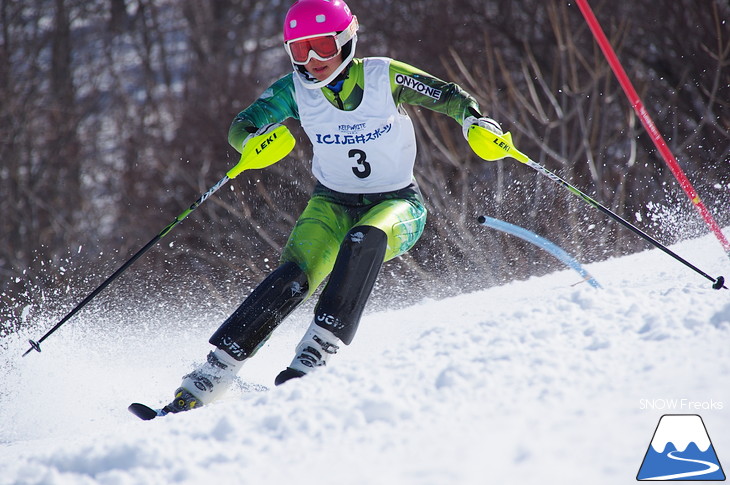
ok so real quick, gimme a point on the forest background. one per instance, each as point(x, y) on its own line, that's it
point(114, 117)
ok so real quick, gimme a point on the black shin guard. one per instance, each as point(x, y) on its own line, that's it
point(251, 324)
point(351, 282)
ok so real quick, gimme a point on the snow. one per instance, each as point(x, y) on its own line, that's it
point(680, 431)
point(534, 382)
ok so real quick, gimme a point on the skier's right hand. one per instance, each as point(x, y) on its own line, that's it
point(484, 122)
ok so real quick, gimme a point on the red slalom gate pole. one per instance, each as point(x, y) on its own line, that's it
point(648, 123)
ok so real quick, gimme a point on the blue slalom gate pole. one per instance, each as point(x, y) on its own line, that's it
point(541, 242)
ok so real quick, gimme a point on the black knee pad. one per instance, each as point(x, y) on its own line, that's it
point(264, 309)
point(357, 266)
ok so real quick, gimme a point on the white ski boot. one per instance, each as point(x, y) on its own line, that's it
point(206, 383)
point(314, 350)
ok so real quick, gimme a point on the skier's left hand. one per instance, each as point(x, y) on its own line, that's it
point(484, 122)
point(260, 131)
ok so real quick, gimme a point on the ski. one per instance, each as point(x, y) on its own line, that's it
point(145, 412)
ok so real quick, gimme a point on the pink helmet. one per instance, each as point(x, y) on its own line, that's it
point(308, 18)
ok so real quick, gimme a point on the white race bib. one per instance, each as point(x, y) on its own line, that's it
point(367, 150)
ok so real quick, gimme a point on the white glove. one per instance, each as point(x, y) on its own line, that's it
point(261, 131)
point(487, 123)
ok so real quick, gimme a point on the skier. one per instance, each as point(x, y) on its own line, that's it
point(366, 207)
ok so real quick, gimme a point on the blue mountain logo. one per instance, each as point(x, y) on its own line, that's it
point(681, 450)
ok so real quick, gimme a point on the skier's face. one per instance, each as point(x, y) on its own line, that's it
point(321, 70)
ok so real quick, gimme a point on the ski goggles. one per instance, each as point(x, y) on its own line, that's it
point(323, 46)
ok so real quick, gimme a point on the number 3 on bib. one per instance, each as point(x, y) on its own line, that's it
point(362, 170)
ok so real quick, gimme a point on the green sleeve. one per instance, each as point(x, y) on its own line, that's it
point(415, 87)
point(275, 105)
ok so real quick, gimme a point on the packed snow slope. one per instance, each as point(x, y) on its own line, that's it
point(534, 382)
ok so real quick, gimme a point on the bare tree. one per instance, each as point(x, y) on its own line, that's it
point(114, 115)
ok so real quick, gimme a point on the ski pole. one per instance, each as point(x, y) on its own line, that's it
point(261, 151)
point(490, 146)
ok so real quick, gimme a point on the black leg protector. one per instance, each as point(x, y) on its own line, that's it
point(264, 309)
point(351, 282)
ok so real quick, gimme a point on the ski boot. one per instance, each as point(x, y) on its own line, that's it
point(202, 386)
point(206, 383)
point(315, 348)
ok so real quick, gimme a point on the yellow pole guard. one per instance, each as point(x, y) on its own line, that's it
point(264, 150)
point(492, 147)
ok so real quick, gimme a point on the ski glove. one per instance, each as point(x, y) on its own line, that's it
point(486, 123)
point(261, 131)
